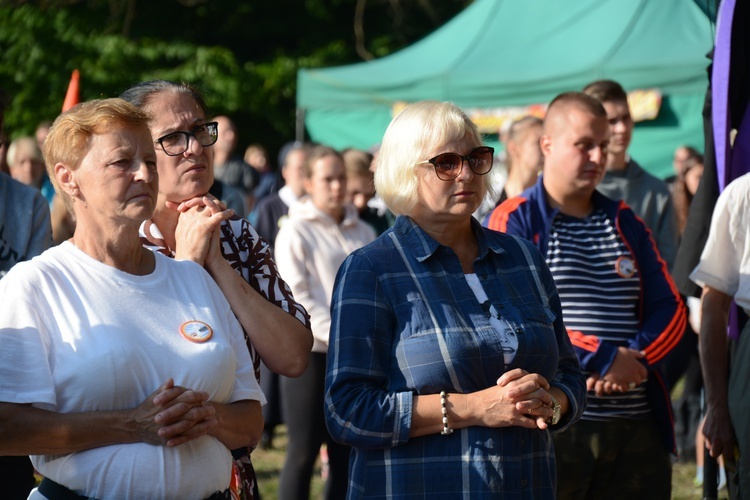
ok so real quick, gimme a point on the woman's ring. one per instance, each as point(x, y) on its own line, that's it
point(631, 385)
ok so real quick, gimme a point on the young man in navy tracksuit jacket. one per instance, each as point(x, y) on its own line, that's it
point(621, 308)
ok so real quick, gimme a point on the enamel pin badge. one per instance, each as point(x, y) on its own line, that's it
point(625, 267)
point(196, 331)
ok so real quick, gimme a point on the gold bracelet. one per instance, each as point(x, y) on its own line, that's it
point(446, 429)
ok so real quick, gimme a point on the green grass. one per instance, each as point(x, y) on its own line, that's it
point(268, 465)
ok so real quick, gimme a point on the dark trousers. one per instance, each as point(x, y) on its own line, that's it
point(620, 459)
point(302, 404)
point(269, 383)
point(16, 477)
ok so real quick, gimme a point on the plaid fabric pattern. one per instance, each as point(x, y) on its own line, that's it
point(405, 322)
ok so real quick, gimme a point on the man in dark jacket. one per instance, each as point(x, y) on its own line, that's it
point(622, 311)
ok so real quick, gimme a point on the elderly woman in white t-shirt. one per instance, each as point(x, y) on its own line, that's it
point(105, 344)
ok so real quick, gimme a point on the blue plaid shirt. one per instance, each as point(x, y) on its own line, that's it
point(406, 322)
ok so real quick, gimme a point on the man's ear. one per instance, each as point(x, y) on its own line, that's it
point(511, 147)
point(545, 143)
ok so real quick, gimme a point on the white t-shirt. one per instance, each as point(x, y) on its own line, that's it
point(78, 335)
point(725, 262)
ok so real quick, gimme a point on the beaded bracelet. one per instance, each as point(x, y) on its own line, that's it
point(446, 429)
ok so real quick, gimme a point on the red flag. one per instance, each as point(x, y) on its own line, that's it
point(71, 97)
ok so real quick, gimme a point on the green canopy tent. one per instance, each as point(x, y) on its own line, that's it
point(500, 54)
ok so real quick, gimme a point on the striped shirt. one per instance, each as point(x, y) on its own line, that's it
point(600, 289)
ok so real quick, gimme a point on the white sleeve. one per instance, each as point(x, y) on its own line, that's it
point(25, 372)
point(719, 266)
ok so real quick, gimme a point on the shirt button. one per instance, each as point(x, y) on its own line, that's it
point(524, 482)
point(523, 443)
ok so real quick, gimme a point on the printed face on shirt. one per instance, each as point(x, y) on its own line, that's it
point(575, 150)
point(327, 185)
point(190, 174)
point(117, 180)
point(620, 125)
point(438, 199)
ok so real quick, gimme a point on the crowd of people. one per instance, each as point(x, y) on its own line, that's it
point(438, 330)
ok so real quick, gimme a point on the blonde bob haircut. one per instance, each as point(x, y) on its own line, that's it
point(415, 135)
point(69, 137)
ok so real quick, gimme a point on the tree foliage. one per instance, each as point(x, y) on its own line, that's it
point(244, 55)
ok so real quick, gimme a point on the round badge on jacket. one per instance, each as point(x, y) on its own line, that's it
point(196, 331)
point(625, 267)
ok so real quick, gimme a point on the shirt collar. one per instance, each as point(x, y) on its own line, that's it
point(422, 246)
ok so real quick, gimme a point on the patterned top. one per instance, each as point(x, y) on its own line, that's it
point(250, 256)
point(600, 291)
point(405, 322)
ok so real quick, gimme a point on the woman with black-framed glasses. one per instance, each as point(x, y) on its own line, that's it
point(448, 361)
point(188, 224)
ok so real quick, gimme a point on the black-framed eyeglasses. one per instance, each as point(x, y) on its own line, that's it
point(448, 166)
point(176, 143)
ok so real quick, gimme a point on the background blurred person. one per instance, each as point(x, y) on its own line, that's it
point(449, 362)
point(40, 134)
point(26, 165)
point(183, 226)
point(687, 408)
point(256, 157)
point(360, 188)
point(684, 361)
point(523, 161)
point(25, 162)
point(525, 158)
point(685, 188)
point(4, 143)
point(681, 155)
point(25, 230)
point(624, 179)
point(230, 168)
point(270, 214)
point(24, 234)
point(106, 344)
point(320, 232)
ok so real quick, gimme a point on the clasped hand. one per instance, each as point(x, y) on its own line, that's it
point(173, 415)
point(197, 232)
point(627, 372)
point(519, 398)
